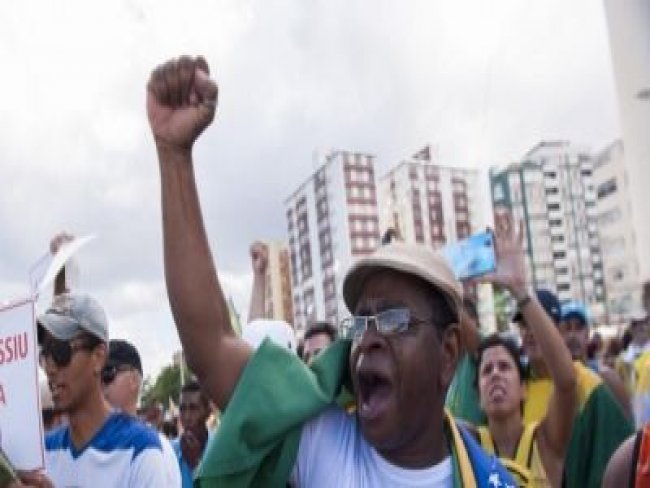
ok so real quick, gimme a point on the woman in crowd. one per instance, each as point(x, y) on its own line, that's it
point(534, 453)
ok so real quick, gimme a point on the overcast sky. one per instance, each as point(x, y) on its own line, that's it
point(483, 81)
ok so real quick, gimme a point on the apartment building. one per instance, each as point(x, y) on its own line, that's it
point(428, 203)
point(618, 239)
point(628, 23)
point(552, 191)
point(278, 298)
point(332, 218)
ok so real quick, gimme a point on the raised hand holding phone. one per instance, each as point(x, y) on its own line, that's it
point(510, 271)
point(472, 257)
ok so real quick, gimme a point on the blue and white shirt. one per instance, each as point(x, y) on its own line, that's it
point(187, 474)
point(123, 453)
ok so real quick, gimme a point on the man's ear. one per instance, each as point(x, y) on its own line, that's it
point(100, 355)
point(450, 349)
point(135, 381)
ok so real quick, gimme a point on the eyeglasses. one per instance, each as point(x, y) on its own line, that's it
point(109, 373)
point(61, 351)
point(389, 322)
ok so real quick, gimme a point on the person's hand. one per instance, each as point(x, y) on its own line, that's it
point(192, 448)
point(34, 479)
point(181, 102)
point(59, 240)
point(259, 257)
point(511, 263)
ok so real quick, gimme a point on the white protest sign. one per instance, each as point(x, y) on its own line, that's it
point(21, 429)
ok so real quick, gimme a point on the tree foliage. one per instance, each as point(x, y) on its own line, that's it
point(502, 309)
point(167, 385)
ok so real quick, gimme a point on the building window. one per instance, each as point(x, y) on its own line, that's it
point(458, 186)
point(607, 188)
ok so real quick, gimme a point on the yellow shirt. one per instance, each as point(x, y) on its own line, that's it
point(540, 390)
point(526, 467)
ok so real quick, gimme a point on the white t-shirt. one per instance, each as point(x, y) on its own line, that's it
point(333, 452)
point(171, 463)
point(124, 453)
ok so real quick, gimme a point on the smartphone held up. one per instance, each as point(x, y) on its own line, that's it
point(472, 257)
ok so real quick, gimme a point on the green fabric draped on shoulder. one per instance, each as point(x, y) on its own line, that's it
point(257, 441)
point(462, 397)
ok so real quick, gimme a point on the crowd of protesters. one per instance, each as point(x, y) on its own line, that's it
point(407, 392)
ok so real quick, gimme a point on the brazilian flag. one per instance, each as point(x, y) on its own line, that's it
point(257, 441)
point(462, 396)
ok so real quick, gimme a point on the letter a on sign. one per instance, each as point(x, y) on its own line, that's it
point(21, 430)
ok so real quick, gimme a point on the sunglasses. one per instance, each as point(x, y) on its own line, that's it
point(389, 322)
point(61, 352)
point(110, 372)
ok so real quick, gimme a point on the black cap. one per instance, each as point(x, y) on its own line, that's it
point(122, 352)
point(549, 302)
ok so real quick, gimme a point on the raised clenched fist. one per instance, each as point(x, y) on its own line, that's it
point(259, 257)
point(59, 240)
point(181, 102)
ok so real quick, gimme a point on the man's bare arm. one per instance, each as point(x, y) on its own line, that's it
point(621, 466)
point(181, 103)
point(60, 281)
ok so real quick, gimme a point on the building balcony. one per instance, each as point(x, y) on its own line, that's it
point(556, 230)
point(564, 277)
point(553, 198)
point(558, 246)
point(561, 263)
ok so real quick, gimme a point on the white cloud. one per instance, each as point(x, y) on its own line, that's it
point(482, 80)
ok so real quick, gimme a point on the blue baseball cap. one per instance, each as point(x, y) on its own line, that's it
point(549, 302)
point(574, 309)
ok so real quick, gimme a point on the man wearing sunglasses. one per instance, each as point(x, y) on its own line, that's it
point(282, 423)
point(99, 447)
point(122, 380)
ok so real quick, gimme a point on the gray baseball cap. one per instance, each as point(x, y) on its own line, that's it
point(71, 313)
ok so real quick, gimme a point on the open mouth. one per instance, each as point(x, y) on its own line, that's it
point(375, 389)
point(497, 392)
